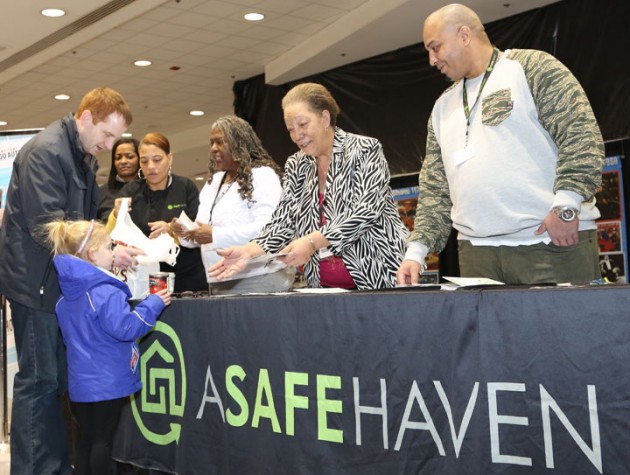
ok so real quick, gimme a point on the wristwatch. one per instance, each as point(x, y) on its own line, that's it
point(566, 213)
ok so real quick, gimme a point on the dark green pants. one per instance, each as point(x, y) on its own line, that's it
point(535, 264)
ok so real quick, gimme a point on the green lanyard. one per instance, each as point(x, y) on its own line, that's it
point(493, 61)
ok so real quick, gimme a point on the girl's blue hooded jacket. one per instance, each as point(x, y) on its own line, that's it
point(99, 329)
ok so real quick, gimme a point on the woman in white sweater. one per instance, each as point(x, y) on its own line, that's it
point(242, 192)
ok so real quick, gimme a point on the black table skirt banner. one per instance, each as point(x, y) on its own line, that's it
point(509, 381)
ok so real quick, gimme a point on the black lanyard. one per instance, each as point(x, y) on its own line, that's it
point(220, 194)
point(467, 111)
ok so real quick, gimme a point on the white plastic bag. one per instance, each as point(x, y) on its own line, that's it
point(161, 249)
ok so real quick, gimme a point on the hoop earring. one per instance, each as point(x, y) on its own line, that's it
point(140, 174)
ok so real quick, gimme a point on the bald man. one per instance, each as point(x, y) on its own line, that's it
point(514, 157)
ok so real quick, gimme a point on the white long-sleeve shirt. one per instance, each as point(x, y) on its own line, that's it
point(235, 221)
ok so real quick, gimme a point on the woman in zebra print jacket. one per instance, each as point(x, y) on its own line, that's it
point(336, 214)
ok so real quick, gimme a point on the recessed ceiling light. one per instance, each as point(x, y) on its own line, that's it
point(127, 135)
point(254, 16)
point(142, 63)
point(53, 12)
point(200, 178)
point(2, 122)
point(62, 97)
point(197, 113)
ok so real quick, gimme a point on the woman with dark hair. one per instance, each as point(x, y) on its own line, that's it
point(124, 168)
point(242, 191)
point(336, 215)
point(158, 197)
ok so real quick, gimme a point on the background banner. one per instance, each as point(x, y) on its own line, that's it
point(10, 144)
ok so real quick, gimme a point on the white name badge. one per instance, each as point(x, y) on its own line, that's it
point(463, 155)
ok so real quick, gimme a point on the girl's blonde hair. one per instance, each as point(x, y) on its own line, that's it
point(76, 237)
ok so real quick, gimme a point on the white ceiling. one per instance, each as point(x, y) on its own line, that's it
point(96, 42)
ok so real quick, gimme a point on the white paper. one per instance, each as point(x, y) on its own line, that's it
point(327, 290)
point(325, 253)
point(468, 281)
point(187, 223)
point(265, 264)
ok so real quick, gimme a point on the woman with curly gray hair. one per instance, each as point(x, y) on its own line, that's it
point(242, 191)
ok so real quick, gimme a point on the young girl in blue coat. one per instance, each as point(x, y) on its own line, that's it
point(99, 329)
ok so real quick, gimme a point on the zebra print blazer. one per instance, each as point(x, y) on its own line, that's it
point(362, 221)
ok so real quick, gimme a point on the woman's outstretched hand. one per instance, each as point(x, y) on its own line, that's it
point(232, 263)
point(234, 260)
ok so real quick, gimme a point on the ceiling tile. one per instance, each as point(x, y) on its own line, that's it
point(208, 39)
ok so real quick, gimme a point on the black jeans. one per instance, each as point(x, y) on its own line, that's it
point(97, 423)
